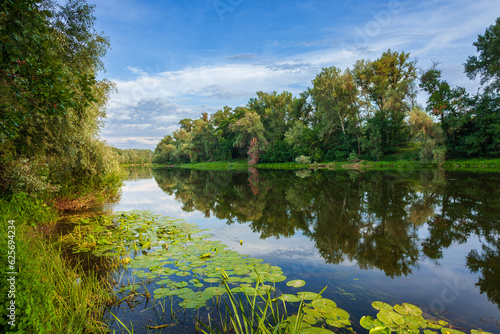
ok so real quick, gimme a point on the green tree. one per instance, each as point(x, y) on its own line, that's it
point(51, 102)
point(487, 63)
point(470, 123)
point(163, 151)
point(249, 132)
point(387, 88)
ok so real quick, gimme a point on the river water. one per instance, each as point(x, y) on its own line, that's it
point(426, 237)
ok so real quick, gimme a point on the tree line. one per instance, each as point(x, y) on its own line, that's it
point(133, 156)
point(367, 112)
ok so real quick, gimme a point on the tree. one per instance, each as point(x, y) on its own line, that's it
point(51, 102)
point(275, 111)
point(471, 124)
point(163, 151)
point(334, 94)
point(249, 133)
point(487, 64)
point(388, 90)
point(429, 134)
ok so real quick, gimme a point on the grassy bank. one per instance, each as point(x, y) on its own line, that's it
point(477, 164)
point(51, 296)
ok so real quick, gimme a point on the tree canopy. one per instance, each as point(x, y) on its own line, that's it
point(367, 112)
point(51, 102)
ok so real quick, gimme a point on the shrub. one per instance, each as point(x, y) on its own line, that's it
point(303, 160)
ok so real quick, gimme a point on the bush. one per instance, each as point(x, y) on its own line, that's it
point(353, 157)
point(303, 160)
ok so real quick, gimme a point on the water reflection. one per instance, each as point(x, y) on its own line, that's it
point(390, 221)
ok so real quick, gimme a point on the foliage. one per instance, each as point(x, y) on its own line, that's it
point(155, 248)
point(370, 110)
point(470, 124)
point(487, 64)
point(303, 160)
point(52, 296)
point(133, 156)
point(52, 103)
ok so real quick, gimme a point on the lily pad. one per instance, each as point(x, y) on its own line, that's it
point(290, 298)
point(308, 295)
point(298, 283)
point(181, 284)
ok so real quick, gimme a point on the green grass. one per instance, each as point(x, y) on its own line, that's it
point(51, 295)
point(473, 164)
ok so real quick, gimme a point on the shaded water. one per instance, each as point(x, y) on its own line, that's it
point(430, 238)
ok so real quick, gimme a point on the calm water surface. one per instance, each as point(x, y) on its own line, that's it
point(430, 238)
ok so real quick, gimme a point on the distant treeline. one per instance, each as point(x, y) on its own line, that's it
point(133, 156)
point(367, 112)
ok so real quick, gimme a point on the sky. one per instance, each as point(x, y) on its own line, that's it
point(178, 59)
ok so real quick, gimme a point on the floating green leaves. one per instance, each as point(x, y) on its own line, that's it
point(157, 247)
point(406, 318)
point(298, 283)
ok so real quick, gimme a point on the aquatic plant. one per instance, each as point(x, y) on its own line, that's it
point(182, 261)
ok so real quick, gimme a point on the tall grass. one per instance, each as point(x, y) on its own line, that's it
point(255, 314)
point(51, 296)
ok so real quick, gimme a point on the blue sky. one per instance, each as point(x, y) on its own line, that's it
point(176, 59)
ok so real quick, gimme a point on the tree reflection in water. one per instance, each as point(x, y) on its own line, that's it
point(372, 218)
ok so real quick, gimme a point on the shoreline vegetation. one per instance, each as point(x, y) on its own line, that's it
point(492, 165)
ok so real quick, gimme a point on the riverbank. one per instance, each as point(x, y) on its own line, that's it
point(492, 165)
point(46, 294)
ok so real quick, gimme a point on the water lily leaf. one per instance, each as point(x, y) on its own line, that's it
point(313, 313)
point(401, 309)
point(181, 284)
point(338, 323)
point(323, 303)
point(475, 331)
point(251, 291)
point(412, 309)
point(192, 304)
point(311, 320)
point(178, 292)
point(315, 330)
point(381, 306)
point(214, 291)
point(336, 314)
point(129, 287)
point(367, 322)
point(380, 330)
point(275, 278)
point(298, 283)
point(161, 293)
point(450, 331)
point(164, 282)
point(212, 280)
point(308, 295)
point(385, 317)
point(198, 270)
point(290, 298)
